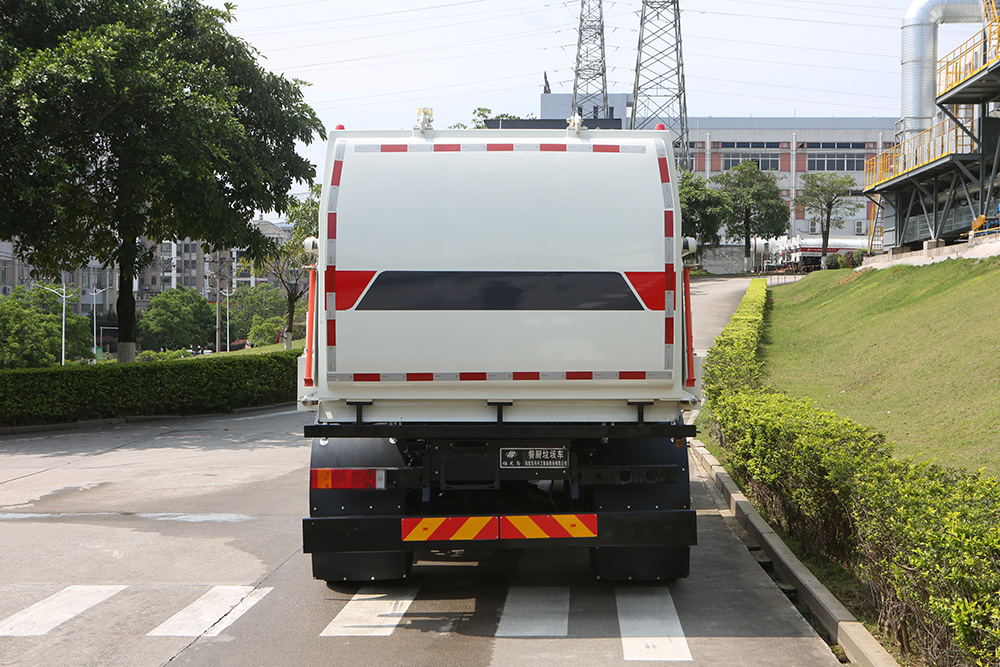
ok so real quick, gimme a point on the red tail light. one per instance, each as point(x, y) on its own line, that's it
point(346, 478)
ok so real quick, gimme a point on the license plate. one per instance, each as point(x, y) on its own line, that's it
point(533, 457)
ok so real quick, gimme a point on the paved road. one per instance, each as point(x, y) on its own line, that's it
point(178, 541)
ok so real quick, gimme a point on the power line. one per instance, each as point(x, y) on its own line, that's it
point(402, 32)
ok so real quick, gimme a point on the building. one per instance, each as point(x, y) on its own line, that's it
point(788, 147)
point(182, 263)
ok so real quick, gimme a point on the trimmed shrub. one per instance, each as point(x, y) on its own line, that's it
point(925, 539)
point(188, 386)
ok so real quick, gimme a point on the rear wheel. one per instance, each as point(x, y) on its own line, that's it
point(358, 566)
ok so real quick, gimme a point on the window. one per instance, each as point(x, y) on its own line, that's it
point(834, 144)
point(835, 162)
point(766, 161)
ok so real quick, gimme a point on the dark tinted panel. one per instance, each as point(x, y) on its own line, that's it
point(499, 290)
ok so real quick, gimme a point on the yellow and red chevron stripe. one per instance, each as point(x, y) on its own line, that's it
point(537, 526)
point(431, 529)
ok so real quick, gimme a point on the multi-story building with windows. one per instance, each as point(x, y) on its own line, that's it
point(787, 147)
point(790, 147)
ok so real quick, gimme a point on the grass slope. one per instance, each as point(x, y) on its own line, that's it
point(911, 351)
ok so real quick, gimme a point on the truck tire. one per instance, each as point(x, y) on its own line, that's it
point(360, 566)
point(642, 563)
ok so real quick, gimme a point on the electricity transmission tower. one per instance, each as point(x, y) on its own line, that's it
point(590, 84)
point(658, 96)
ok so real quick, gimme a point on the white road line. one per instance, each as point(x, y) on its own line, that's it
point(200, 617)
point(649, 626)
point(372, 612)
point(43, 616)
point(243, 607)
point(535, 612)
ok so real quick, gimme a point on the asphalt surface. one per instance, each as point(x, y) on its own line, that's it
point(179, 542)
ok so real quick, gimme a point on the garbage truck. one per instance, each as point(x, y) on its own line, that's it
point(498, 351)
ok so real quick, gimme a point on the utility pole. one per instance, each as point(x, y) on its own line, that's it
point(590, 83)
point(658, 96)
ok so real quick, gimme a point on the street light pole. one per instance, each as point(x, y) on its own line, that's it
point(93, 313)
point(61, 295)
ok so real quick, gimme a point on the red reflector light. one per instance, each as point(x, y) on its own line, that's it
point(345, 478)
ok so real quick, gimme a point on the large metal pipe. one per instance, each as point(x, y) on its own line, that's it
point(919, 55)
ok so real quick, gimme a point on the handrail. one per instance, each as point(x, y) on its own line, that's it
point(977, 53)
point(945, 138)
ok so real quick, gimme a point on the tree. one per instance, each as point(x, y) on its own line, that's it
point(826, 198)
point(481, 115)
point(703, 209)
point(264, 331)
point(286, 266)
point(262, 300)
point(757, 207)
point(49, 308)
point(126, 119)
point(177, 318)
point(22, 336)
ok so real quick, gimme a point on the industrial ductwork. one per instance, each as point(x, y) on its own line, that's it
point(919, 56)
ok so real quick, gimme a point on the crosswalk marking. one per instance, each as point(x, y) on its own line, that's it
point(212, 613)
point(372, 612)
point(44, 616)
point(535, 612)
point(649, 626)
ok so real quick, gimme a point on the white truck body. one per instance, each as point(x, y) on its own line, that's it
point(539, 269)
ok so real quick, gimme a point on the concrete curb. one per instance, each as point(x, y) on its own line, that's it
point(844, 629)
point(133, 419)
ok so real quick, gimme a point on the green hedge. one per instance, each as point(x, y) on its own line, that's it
point(924, 539)
point(218, 383)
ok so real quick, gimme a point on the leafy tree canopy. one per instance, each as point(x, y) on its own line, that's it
point(31, 328)
point(264, 331)
point(139, 118)
point(22, 336)
point(481, 115)
point(286, 265)
point(177, 318)
point(757, 207)
point(48, 309)
point(826, 198)
point(703, 209)
point(261, 300)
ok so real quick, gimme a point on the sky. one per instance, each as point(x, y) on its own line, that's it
point(371, 64)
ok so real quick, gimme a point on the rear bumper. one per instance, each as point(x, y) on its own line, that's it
point(386, 533)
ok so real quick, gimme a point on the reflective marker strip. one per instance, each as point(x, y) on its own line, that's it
point(497, 376)
point(670, 292)
point(477, 147)
point(533, 527)
point(53, 611)
point(517, 527)
point(372, 612)
point(430, 529)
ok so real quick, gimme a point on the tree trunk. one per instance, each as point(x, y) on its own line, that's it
point(126, 302)
point(825, 231)
point(289, 319)
point(746, 245)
